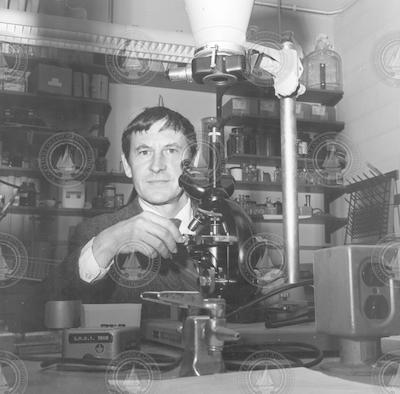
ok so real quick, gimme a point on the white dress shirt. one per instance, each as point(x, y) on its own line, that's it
point(89, 269)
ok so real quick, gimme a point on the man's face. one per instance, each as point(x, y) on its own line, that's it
point(155, 163)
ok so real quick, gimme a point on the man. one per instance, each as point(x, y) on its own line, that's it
point(154, 145)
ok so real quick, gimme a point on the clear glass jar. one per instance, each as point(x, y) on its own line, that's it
point(323, 67)
point(235, 143)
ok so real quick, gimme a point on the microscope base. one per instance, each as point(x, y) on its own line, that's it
point(167, 332)
point(257, 334)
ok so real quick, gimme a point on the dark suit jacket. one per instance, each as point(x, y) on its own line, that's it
point(175, 274)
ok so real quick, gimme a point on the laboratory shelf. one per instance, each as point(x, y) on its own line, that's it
point(36, 100)
point(247, 89)
point(314, 126)
point(267, 161)
point(274, 186)
point(44, 211)
point(331, 222)
point(113, 177)
point(32, 134)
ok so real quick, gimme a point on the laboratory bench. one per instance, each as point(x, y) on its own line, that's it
point(88, 380)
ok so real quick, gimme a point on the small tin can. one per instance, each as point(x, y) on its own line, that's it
point(109, 196)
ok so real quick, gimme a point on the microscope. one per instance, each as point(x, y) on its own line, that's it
point(222, 230)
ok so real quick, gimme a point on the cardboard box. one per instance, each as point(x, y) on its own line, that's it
point(240, 106)
point(264, 144)
point(111, 315)
point(268, 107)
point(78, 84)
point(51, 79)
point(323, 112)
point(303, 111)
point(95, 86)
point(86, 85)
point(104, 87)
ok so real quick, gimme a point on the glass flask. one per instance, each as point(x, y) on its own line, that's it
point(323, 67)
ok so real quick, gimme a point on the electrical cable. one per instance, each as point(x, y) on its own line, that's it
point(93, 364)
point(10, 184)
point(285, 355)
point(306, 317)
point(269, 295)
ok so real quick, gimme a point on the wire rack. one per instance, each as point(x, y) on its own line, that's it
point(371, 208)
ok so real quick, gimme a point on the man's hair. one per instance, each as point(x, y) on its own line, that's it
point(173, 120)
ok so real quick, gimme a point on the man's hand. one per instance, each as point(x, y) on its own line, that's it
point(147, 233)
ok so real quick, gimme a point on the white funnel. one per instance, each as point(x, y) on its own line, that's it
point(219, 21)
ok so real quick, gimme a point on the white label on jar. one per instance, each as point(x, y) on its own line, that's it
point(318, 109)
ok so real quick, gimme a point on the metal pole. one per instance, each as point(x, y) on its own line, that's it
point(289, 187)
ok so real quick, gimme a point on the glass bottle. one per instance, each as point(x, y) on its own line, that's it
point(246, 206)
point(235, 143)
point(323, 67)
point(278, 206)
point(331, 166)
point(24, 195)
point(307, 209)
point(277, 175)
point(31, 194)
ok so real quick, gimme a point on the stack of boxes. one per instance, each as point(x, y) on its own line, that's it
point(52, 79)
point(269, 108)
point(267, 142)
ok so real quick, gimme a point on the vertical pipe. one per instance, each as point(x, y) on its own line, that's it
point(289, 187)
point(219, 143)
point(219, 94)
